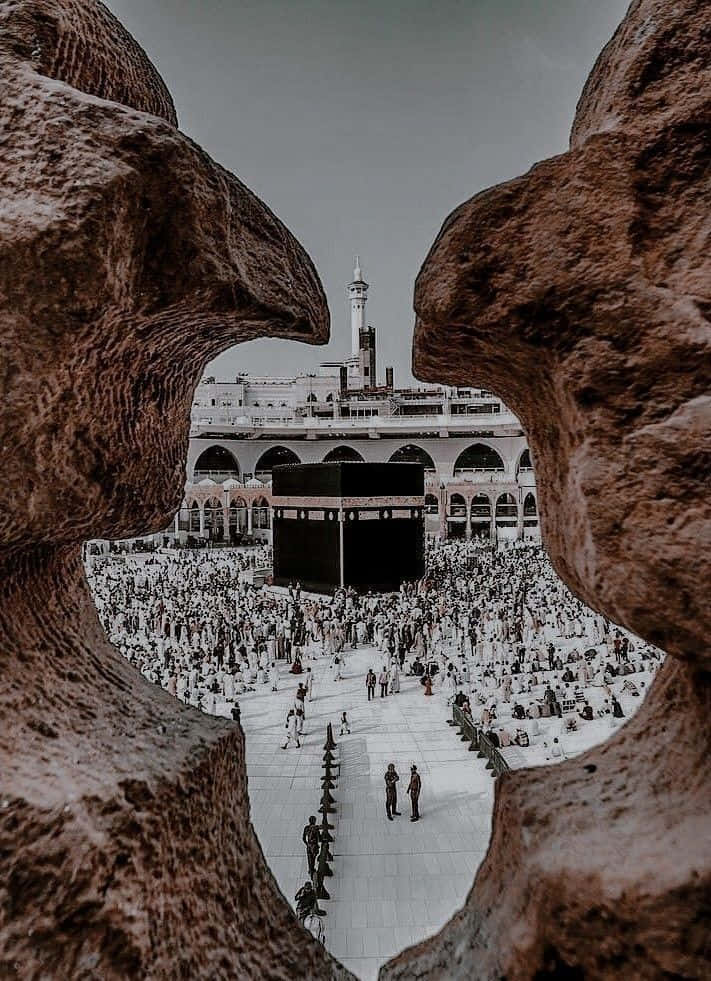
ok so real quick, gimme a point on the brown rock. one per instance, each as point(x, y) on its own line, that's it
point(128, 259)
point(581, 294)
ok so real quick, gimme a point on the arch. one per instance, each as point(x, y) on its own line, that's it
point(530, 508)
point(506, 507)
point(214, 519)
point(343, 454)
point(478, 456)
point(217, 463)
point(480, 517)
point(261, 513)
point(413, 454)
point(524, 461)
point(431, 504)
point(456, 516)
point(457, 506)
point(481, 507)
point(237, 517)
point(277, 456)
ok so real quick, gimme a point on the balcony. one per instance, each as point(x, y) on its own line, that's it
point(219, 476)
point(252, 422)
point(482, 476)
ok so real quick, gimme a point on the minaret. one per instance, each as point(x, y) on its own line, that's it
point(358, 295)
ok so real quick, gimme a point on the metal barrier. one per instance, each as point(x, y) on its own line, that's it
point(328, 802)
point(479, 742)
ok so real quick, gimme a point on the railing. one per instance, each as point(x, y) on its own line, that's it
point(464, 471)
point(481, 477)
point(479, 742)
point(219, 476)
point(395, 422)
point(323, 869)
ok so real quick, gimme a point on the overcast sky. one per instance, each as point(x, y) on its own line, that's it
point(363, 124)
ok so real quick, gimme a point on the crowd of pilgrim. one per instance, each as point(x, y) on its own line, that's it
point(493, 631)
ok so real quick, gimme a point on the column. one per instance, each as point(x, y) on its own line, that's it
point(202, 521)
point(249, 517)
point(176, 522)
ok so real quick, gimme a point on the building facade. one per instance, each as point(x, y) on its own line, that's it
point(478, 473)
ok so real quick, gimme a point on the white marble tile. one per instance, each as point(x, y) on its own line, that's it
point(396, 882)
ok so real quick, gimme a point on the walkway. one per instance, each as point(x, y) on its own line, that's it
point(394, 882)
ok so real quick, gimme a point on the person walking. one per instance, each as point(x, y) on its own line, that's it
point(291, 729)
point(309, 684)
point(413, 790)
point(307, 902)
point(370, 682)
point(395, 679)
point(391, 779)
point(383, 679)
point(345, 727)
point(311, 838)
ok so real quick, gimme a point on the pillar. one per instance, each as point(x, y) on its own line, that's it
point(249, 517)
point(202, 520)
point(176, 522)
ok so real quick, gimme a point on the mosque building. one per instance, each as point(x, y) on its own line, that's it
point(479, 477)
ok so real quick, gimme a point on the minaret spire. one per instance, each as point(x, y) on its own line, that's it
point(358, 295)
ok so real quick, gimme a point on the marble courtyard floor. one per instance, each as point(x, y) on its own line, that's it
point(394, 883)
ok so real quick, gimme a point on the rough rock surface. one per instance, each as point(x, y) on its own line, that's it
point(127, 260)
point(581, 294)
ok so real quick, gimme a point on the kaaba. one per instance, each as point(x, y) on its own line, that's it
point(348, 524)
